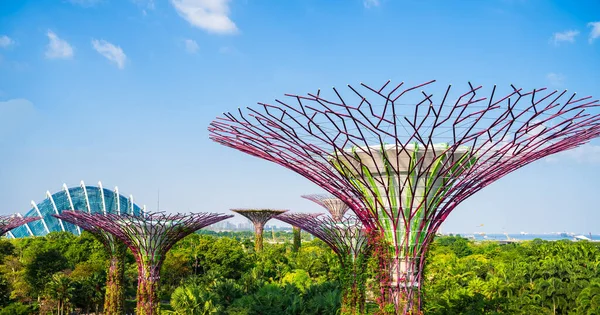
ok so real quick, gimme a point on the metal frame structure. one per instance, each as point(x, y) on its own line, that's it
point(9, 222)
point(403, 158)
point(149, 237)
point(258, 217)
point(335, 206)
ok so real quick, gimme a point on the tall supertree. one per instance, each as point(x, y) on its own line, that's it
point(403, 159)
point(149, 237)
point(335, 206)
point(9, 222)
point(114, 295)
point(258, 217)
point(347, 238)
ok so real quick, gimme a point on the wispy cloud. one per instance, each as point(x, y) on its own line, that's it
point(210, 15)
point(58, 48)
point(566, 36)
point(85, 3)
point(111, 52)
point(555, 79)
point(145, 5)
point(370, 3)
point(585, 154)
point(191, 46)
point(6, 41)
point(595, 33)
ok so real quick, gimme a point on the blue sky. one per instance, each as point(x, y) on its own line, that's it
point(122, 91)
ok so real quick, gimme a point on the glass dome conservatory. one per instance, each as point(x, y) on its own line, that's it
point(92, 199)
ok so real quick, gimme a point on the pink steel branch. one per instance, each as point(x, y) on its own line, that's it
point(10, 222)
point(346, 237)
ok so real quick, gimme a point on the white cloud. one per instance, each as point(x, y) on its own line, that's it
point(210, 15)
point(58, 48)
point(110, 52)
point(555, 79)
point(6, 41)
point(370, 3)
point(191, 46)
point(585, 154)
point(566, 36)
point(595, 33)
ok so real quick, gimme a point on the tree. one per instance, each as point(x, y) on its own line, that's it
point(60, 288)
point(42, 266)
point(193, 300)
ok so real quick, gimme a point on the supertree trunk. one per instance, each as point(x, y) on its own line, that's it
point(297, 234)
point(258, 237)
point(347, 238)
point(114, 298)
point(353, 278)
point(403, 159)
point(148, 302)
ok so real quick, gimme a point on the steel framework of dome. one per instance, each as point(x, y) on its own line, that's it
point(91, 199)
point(375, 149)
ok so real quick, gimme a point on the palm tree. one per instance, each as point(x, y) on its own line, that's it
point(589, 299)
point(192, 300)
point(61, 290)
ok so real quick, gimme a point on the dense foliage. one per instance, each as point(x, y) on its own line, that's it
point(221, 274)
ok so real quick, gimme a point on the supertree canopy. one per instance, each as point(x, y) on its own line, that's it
point(149, 237)
point(403, 158)
point(335, 206)
point(348, 239)
point(258, 217)
point(9, 222)
point(114, 296)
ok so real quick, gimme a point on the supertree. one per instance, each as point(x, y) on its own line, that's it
point(348, 240)
point(258, 217)
point(335, 206)
point(114, 296)
point(9, 222)
point(149, 237)
point(374, 149)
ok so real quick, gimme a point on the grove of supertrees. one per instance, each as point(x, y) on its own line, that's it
point(335, 206)
point(258, 217)
point(348, 239)
point(114, 296)
point(403, 158)
point(149, 237)
point(9, 222)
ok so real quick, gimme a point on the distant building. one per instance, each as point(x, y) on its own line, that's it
point(92, 199)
